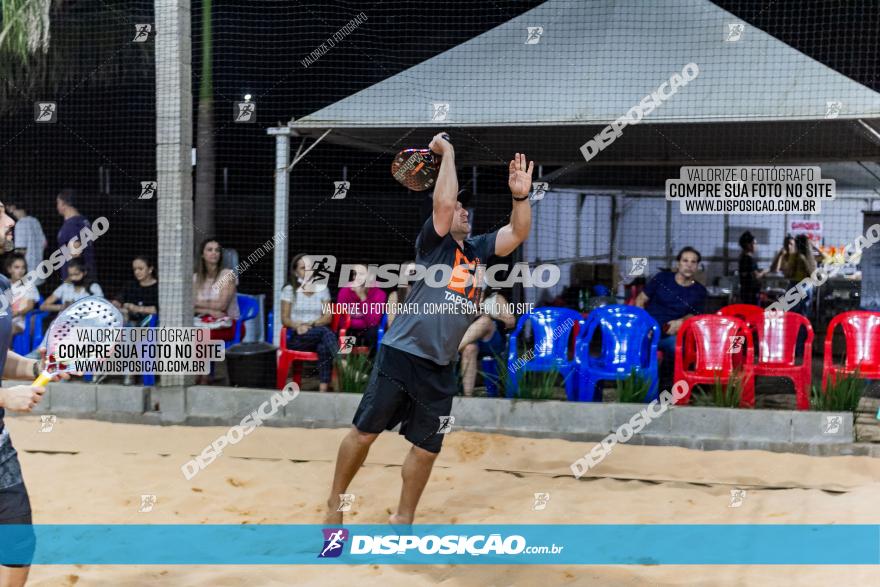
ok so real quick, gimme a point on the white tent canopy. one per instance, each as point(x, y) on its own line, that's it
point(755, 98)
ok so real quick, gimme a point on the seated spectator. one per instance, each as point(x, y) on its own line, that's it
point(141, 298)
point(783, 256)
point(749, 272)
point(670, 297)
point(76, 286)
point(215, 303)
point(305, 311)
point(485, 337)
point(24, 298)
point(364, 303)
point(398, 296)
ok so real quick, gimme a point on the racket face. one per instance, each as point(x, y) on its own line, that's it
point(90, 312)
point(416, 169)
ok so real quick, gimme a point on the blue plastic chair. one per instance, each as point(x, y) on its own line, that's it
point(552, 328)
point(151, 322)
point(248, 307)
point(23, 342)
point(38, 333)
point(629, 341)
point(383, 326)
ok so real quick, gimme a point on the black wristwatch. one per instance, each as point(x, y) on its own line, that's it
point(37, 369)
point(525, 197)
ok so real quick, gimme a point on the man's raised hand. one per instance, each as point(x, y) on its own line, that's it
point(440, 144)
point(520, 179)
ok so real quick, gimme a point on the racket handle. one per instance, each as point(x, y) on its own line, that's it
point(43, 380)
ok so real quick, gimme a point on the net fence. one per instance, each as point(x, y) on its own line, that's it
point(785, 84)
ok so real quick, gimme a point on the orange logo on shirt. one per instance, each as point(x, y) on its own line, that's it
point(462, 272)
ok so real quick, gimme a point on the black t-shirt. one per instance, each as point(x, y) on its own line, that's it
point(138, 295)
point(5, 335)
point(748, 283)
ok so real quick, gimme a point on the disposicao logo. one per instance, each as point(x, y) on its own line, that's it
point(334, 541)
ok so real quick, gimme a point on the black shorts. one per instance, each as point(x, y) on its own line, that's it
point(411, 391)
point(16, 549)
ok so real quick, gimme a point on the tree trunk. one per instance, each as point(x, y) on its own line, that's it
point(203, 208)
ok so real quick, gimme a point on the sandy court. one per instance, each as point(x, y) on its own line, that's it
point(90, 472)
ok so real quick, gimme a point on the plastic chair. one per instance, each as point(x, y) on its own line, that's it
point(554, 329)
point(249, 308)
point(288, 357)
point(38, 333)
point(490, 375)
point(861, 329)
point(777, 352)
point(751, 314)
point(599, 302)
point(23, 342)
point(629, 341)
point(711, 337)
point(149, 322)
point(344, 325)
point(631, 293)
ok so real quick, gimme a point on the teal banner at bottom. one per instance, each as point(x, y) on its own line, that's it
point(574, 544)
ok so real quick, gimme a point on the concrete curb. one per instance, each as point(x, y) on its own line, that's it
point(690, 427)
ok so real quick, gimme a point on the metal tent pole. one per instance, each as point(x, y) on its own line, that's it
point(282, 215)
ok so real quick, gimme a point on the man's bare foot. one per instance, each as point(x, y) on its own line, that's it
point(332, 517)
point(400, 523)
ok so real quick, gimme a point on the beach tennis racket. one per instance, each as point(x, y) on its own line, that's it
point(90, 312)
point(417, 169)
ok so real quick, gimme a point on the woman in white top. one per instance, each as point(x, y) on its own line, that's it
point(305, 313)
point(214, 292)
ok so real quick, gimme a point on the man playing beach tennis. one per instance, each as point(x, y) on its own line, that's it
point(15, 507)
point(413, 379)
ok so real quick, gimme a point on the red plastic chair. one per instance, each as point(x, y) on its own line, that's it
point(345, 324)
point(751, 314)
point(777, 347)
point(861, 330)
point(748, 313)
point(711, 336)
point(632, 292)
point(288, 357)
